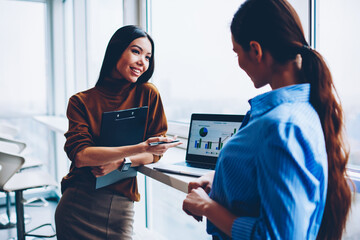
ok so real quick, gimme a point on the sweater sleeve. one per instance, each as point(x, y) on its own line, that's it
point(157, 123)
point(78, 135)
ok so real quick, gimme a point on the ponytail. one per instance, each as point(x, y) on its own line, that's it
point(323, 99)
point(277, 27)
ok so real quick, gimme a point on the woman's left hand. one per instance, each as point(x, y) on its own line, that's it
point(196, 203)
point(106, 168)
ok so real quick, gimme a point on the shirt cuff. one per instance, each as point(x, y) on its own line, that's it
point(242, 228)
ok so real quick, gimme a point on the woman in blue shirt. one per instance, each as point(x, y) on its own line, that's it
point(282, 175)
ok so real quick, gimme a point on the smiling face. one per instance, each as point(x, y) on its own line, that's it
point(134, 61)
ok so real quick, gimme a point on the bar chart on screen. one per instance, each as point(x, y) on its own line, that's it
point(209, 138)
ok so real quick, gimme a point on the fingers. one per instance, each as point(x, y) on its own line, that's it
point(96, 172)
point(193, 185)
point(202, 183)
point(197, 218)
point(207, 188)
point(103, 170)
point(161, 139)
point(159, 145)
point(187, 203)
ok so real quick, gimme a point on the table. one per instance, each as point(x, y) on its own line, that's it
point(60, 124)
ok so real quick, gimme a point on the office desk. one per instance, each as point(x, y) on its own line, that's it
point(179, 182)
point(176, 181)
point(57, 124)
point(60, 125)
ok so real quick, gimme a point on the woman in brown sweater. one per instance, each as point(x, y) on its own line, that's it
point(107, 213)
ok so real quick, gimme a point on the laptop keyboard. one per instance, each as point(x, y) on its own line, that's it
point(197, 165)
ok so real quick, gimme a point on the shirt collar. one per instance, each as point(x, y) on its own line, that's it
point(267, 101)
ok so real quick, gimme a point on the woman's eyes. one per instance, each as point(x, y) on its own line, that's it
point(135, 51)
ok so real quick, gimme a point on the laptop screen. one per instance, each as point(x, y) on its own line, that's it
point(208, 134)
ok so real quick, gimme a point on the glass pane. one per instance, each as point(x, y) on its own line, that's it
point(338, 41)
point(69, 48)
point(196, 69)
point(168, 218)
point(23, 82)
point(22, 59)
point(352, 230)
point(103, 19)
point(37, 139)
point(302, 9)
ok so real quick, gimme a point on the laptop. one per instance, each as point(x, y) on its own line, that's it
point(208, 134)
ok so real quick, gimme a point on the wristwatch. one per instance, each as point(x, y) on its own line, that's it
point(126, 165)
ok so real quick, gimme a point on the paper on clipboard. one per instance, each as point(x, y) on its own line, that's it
point(121, 128)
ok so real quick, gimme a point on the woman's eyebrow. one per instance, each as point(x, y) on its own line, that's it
point(137, 46)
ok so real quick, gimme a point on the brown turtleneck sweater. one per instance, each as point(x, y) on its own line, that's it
point(84, 113)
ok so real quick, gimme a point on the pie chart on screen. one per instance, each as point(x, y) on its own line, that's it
point(203, 131)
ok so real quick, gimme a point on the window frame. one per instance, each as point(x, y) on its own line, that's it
point(352, 172)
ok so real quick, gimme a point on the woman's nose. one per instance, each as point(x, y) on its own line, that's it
point(141, 61)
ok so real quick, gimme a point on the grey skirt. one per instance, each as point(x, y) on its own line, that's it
point(86, 213)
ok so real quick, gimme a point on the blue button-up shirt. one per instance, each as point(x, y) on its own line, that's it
point(273, 173)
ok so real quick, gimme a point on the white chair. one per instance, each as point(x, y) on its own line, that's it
point(8, 131)
point(13, 146)
point(17, 147)
point(11, 180)
point(9, 165)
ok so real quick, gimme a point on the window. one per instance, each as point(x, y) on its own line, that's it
point(88, 27)
point(338, 41)
point(69, 51)
point(103, 19)
point(24, 73)
point(196, 69)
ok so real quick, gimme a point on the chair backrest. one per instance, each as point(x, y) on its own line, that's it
point(11, 146)
point(9, 165)
point(8, 131)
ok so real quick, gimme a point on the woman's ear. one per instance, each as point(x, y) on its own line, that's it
point(256, 51)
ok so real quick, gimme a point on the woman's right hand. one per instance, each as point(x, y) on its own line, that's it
point(192, 200)
point(160, 149)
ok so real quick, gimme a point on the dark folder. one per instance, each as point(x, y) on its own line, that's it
point(121, 128)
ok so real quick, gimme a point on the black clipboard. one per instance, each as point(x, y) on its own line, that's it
point(121, 128)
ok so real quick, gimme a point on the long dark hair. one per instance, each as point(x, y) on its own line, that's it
point(277, 27)
point(117, 45)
